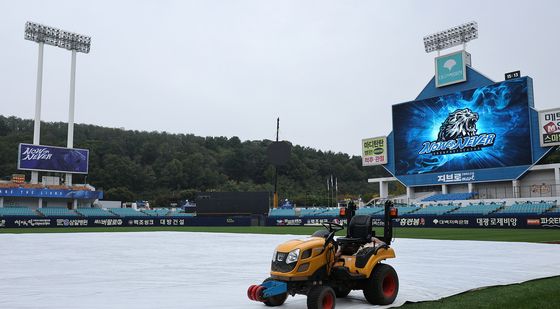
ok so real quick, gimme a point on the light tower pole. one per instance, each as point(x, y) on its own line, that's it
point(38, 95)
point(68, 40)
point(70, 143)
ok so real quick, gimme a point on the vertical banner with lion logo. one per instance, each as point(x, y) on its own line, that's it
point(549, 127)
point(374, 151)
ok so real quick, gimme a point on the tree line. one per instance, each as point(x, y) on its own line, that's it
point(161, 167)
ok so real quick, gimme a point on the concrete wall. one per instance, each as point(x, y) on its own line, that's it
point(538, 178)
point(110, 204)
point(459, 188)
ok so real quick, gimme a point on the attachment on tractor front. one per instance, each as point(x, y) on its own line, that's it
point(266, 290)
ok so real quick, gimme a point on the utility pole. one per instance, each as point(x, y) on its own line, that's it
point(275, 200)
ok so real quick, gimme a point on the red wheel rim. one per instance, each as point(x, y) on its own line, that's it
point(389, 286)
point(328, 301)
point(251, 292)
point(258, 293)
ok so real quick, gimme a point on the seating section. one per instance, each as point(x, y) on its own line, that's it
point(180, 214)
point(477, 209)
point(17, 211)
point(331, 212)
point(555, 210)
point(369, 211)
point(450, 197)
point(317, 211)
point(436, 210)
point(95, 212)
point(57, 212)
point(156, 212)
point(278, 212)
point(127, 212)
point(406, 210)
point(527, 208)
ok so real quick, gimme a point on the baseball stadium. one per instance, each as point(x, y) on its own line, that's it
point(477, 224)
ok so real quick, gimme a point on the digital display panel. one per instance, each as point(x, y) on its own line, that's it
point(482, 128)
point(54, 159)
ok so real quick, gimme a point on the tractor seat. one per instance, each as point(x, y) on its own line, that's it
point(359, 231)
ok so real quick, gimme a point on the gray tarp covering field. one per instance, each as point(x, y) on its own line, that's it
point(213, 270)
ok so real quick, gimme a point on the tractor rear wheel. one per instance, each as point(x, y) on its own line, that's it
point(383, 285)
point(321, 297)
point(276, 300)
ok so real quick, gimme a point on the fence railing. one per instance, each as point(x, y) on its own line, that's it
point(532, 191)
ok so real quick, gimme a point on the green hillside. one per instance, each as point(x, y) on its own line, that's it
point(162, 167)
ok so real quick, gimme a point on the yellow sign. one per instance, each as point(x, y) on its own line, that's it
point(374, 151)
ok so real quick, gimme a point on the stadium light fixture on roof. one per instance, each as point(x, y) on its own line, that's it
point(57, 37)
point(451, 37)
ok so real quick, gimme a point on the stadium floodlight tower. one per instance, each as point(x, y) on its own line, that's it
point(451, 37)
point(56, 37)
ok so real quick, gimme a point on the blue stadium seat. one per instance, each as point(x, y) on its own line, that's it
point(527, 208)
point(477, 209)
point(95, 212)
point(17, 212)
point(279, 212)
point(369, 210)
point(436, 210)
point(127, 212)
point(180, 214)
point(156, 212)
point(450, 197)
point(57, 212)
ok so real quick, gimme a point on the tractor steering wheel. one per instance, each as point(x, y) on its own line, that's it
point(333, 227)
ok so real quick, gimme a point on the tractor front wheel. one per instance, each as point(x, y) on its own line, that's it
point(276, 300)
point(321, 297)
point(383, 285)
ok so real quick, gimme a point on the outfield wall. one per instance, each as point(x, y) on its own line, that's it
point(449, 221)
point(26, 222)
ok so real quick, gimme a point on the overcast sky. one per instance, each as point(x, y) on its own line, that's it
point(329, 69)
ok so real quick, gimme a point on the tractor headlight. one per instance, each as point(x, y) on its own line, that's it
point(292, 256)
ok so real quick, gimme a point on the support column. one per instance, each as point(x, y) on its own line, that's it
point(1, 202)
point(75, 204)
point(37, 123)
point(515, 185)
point(471, 187)
point(40, 203)
point(556, 181)
point(443, 189)
point(410, 192)
point(383, 189)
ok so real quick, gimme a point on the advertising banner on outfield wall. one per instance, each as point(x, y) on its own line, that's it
point(27, 222)
point(549, 127)
point(374, 151)
point(505, 221)
point(53, 159)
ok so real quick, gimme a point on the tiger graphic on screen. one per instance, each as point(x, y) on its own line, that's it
point(460, 123)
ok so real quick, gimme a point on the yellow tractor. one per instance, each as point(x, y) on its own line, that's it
point(324, 268)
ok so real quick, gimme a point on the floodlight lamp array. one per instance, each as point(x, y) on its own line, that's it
point(451, 37)
point(57, 37)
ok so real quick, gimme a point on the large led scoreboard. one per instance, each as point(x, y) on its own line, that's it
point(480, 134)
